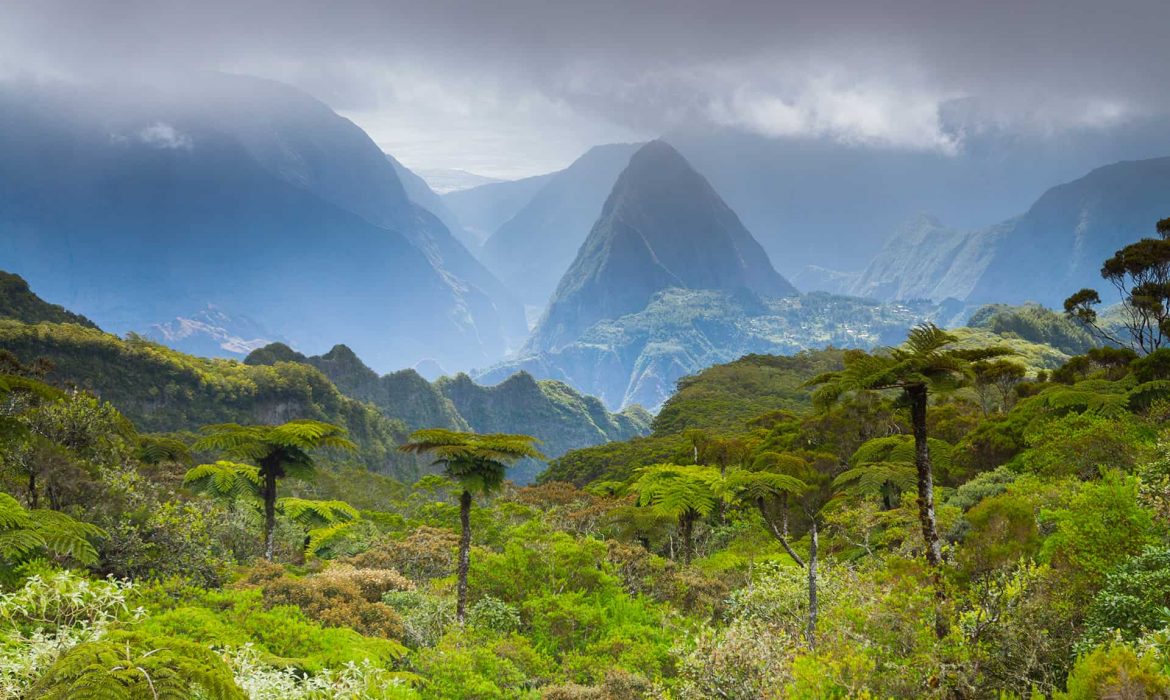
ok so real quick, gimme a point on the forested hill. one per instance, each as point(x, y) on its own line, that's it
point(560, 417)
point(19, 302)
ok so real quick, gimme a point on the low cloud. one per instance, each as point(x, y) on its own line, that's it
point(164, 136)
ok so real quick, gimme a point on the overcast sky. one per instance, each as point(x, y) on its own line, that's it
point(511, 88)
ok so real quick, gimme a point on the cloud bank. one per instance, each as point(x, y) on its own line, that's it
point(524, 85)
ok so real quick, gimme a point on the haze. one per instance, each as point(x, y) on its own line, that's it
point(522, 87)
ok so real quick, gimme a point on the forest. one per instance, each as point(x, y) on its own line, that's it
point(976, 512)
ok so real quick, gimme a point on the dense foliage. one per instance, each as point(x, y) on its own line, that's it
point(769, 539)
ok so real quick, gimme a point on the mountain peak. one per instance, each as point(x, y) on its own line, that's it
point(662, 226)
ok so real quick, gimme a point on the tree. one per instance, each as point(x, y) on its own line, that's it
point(1140, 272)
point(684, 493)
point(778, 483)
point(479, 463)
point(924, 363)
point(276, 451)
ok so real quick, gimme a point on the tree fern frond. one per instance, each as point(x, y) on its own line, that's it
point(226, 480)
point(312, 514)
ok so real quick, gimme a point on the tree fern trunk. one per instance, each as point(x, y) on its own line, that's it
point(32, 490)
point(687, 526)
point(917, 395)
point(811, 634)
point(269, 513)
point(464, 554)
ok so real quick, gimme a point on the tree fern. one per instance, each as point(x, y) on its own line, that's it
point(314, 514)
point(137, 666)
point(225, 480)
point(25, 534)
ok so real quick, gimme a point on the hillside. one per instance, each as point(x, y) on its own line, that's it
point(1085, 220)
point(636, 359)
point(163, 390)
point(18, 302)
point(134, 230)
point(562, 418)
point(483, 209)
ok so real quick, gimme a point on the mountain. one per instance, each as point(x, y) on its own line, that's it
point(833, 204)
point(924, 259)
point(531, 251)
point(1068, 233)
point(445, 180)
point(211, 332)
point(562, 418)
point(485, 208)
point(662, 227)
point(636, 359)
point(137, 206)
point(20, 303)
point(1086, 220)
point(421, 194)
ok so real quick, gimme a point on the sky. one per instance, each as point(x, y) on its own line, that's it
point(517, 87)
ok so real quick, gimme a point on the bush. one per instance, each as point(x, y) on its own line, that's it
point(1116, 671)
point(341, 600)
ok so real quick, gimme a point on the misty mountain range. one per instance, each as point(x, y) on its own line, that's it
point(242, 211)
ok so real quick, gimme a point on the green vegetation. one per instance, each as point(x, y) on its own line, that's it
point(560, 417)
point(942, 518)
point(18, 302)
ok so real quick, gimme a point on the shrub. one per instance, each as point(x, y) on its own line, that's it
point(335, 601)
point(1115, 671)
point(426, 553)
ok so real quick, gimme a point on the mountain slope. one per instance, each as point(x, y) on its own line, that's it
point(137, 207)
point(1086, 221)
point(636, 359)
point(485, 208)
point(421, 194)
point(662, 226)
point(163, 390)
point(531, 250)
point(562, 418)
point(19, 303)
point(924, 259)
point(1068, 232)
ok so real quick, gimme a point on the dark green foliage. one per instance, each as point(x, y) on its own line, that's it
point(1034, 323)
point(561, 417)
point(1134, 599)
point(616, 461)
point(725, 397)
point(18, 302)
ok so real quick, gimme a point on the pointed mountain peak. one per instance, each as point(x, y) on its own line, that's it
point(662, 226)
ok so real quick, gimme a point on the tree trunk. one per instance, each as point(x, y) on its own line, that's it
point(32, 490)
point(812, 587)
point(687, 528)
point(781, 535)
point(917, 395)
point(464, 554)
point(269, 513)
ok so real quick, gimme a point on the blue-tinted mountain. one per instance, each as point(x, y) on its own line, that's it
point(1050, 251)
point(532, 250)
point(485, 208)
point(138, 206)
point(831, 204)
point(421, 194)
point(662, 227)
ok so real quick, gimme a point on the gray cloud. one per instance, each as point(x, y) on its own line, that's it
point(525, 84)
